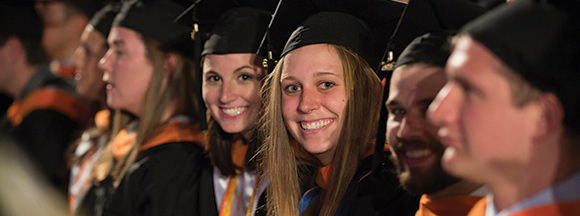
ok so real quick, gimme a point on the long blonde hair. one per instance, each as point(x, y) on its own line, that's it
point(364, 92)
point(179, 90)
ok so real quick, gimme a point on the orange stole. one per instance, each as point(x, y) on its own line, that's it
point(323, 174)
point(175, 131)
point(446, 206)
point(552, 209)
point(52, 99)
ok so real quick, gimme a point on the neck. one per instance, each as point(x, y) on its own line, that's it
point(461, 188)
point(552, 164)
point(22, 75)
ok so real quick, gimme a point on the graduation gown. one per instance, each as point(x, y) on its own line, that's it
point(554, 209)
point(46, 118)
point(377, 192)
point(164, 180)
point(446, 206)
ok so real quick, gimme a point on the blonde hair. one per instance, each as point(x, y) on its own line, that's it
point(364, 93)
point(179, 90)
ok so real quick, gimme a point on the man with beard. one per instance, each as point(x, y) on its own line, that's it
point(419, 74)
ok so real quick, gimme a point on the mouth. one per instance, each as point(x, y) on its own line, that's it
point(414, 156)
point(110, 86)
point(314, 125)
point(235, 111)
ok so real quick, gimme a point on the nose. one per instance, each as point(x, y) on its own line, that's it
point(410, 126)
point(444, 109)
point(105, 65)
point(309, 101)
point(228, 93)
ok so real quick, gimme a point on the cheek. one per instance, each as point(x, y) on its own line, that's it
point(209, 95)
point(392, 128)
point(289, 105)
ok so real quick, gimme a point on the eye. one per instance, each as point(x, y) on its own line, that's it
point(326, 85)
point(213, 78)
point(245, 77)
point(292, 88)
point(398, 111)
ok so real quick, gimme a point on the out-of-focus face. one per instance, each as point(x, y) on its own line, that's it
point(127, 70)
point(231, 91)
point(86, 60)
point(58, 31)
point(486, 134)
point(314, 98)
point(414, 141)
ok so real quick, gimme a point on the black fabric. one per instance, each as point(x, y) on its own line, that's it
point(19, 18)
point(376, 191)
point(539, 41)
point(239, 30)
point(424, 16)
point(103, 19)
point(163, 181)
point(335, 28)
point(155, 19)
point(379, 16)
point(45, 134)
point(431, 48)
point(207, 204)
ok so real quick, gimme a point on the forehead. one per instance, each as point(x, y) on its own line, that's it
point(471, 58)
point(127, 36)
point(311, 59)
point(416, 82)
point(92, 36)
point(230, 62)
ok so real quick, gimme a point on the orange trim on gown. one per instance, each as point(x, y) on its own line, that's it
point(446, 206)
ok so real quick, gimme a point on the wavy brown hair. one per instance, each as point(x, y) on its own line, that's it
point(364, 93)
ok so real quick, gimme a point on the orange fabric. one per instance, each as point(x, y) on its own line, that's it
point(123, 143)
point(553, 209)
point(48, 98)
point(446, 206)
point(102, 119)
point(171, 132)
point(384, 82)
point(479, 208)
point(323, 174)
point(239, 154)
point(67, 73)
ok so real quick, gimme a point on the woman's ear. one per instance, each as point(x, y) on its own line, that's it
point(552, 115)
point(170, 62)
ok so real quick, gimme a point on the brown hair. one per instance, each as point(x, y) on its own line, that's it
point(364, 92)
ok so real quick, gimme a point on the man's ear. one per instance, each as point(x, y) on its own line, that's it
point(170, 62)
point(552, 116)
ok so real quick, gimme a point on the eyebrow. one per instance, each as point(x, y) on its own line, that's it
point(244, 67)
point(118, 42)
point(392, 103)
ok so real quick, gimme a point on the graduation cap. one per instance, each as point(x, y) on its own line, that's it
point(424, 16)
point(540, 42)
point(19, 18)
point(353, 24)
point(155, 19)
point(239, 30)
point(103, 19)
point(431, 48)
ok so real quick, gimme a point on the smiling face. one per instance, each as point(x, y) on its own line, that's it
point(314, 98)
point(486, 134)
point(127, 70)
point(231, 91)
point(416, 147)
point(86, 59)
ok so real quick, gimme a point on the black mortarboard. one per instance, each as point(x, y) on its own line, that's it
point(424, 16)
point(103, 19)
point(378, 17)
point(431, 48)
point(539, 41)
point(155, 19)
point(19, 18)
point(239, 30)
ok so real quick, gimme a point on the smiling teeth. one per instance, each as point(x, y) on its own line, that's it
point(418, 153)
point(315, 125)
point(234, 111)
